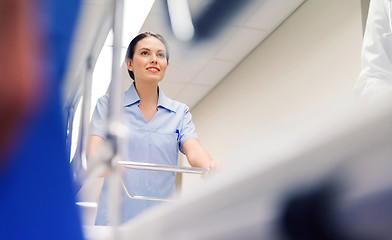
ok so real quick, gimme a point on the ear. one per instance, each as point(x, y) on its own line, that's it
point(130, 65)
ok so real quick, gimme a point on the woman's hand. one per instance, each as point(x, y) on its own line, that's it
point(215, 166)
point(107, 173)
point(95, 145)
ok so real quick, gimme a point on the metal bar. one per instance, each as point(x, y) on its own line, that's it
point(115, 111)
point(82, 81)
point(160, 167)
point(85, 119)
point(144, 197)
point(157, 167)
point(74, 83)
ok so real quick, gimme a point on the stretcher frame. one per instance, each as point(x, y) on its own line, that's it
point(157, 167)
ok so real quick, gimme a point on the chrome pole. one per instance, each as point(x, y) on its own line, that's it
point(160, 167)
point(114, 117)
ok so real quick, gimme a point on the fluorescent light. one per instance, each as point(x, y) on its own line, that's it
point(180, 19)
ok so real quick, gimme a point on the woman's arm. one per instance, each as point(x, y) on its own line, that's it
point(93, 145)
point(198, 157)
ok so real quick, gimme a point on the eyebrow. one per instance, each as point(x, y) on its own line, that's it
point(160, 50)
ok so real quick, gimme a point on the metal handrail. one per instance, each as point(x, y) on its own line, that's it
point(143, 197)
point(161, 167)
point(157, 167)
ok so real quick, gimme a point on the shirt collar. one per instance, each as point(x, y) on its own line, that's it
point(131, 97)
point(165, 102)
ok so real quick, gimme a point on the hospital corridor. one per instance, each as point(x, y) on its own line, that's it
point(196, 119)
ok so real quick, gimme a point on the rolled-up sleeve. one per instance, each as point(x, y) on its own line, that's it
point(99, 118)
point(187, 130)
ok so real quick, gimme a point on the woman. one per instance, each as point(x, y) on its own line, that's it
point(159, 127)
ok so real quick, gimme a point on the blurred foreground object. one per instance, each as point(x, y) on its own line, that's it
point(354, 203)
point(375, 79)
point(20, 77)
point(205, 22)
point(332, 182)
point(36, 196)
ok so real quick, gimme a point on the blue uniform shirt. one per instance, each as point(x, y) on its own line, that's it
point(156, 141)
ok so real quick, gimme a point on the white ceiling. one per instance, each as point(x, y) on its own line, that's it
point(194, 69)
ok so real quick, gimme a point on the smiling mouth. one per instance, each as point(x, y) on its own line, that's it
point(153, 69)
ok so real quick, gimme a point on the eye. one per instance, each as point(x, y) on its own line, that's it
point(144, 53)
point(161, 55)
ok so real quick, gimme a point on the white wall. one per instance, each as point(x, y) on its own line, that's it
point(301, 75)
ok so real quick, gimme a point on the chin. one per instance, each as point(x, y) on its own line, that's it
point(155, 79)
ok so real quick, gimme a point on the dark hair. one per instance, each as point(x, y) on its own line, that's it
point(132, 45)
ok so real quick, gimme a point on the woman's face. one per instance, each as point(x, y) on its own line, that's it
point(149, 60)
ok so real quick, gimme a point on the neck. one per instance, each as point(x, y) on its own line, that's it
point(148, 93)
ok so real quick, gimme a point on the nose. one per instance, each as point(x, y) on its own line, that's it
point(154, 58)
